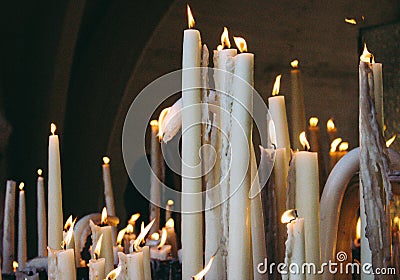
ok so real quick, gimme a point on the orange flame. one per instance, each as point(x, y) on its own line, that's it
point(330, 125)
point(390, 141)
point(120, 235)
point(53, 128)
point(15, 266)
point(141, 236)
point(21, 186)
point(225, 39)
point(69, 223)
point(114, 273)
point(106, 160)
point(303, 140)
point(350, 21)
point(170, 223)
point(240, 44)
point(277, 85)
point(344, 146)
point(294, 64)
point(358, 229)
point(190, 17)
point(68, 237)
point(164, 235)
point(97, 249)
point(203, 272)
point(335, 143)
point(366, 55)
point(104, 216)
point(129, 229)
point(160, 122)
point(288, 216)
point(39, 172)
point(155, 236)
point(314, 121)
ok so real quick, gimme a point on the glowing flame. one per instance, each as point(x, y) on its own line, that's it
point(277, 85)
point(160, 122)
point(203, 272)
point(15, 266)
point(106, 160)
point(289, 216)
point(358, 229)
point(390, 141)
point(303, 140)
point(53, 128)
point(335, 143)
point(114, 273)
point(170, 202)
point(366, 55)
point(39, 172)
point(294, 64)
point(164, 235)
point(97, 249)
point(313, 121)
point(68, 237)
point(141, 236)
point(225, 39)
point(142, 227)
point(240, 44)
point(344, 146)
point(396, 221)
point(330, 125)
point(129, 229)
point(170, 223)
point(120, 235)
point(21, 186)
point(104, 216)
point(155, 236)
point(69, 223)
point(134, 218)
point(350, 21)
point(190, 17)
point(220, 48)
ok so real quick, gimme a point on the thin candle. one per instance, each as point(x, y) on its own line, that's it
point(22, 245)
point(41, 216)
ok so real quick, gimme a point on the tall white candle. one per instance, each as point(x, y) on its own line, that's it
point(22, 248)
point(9, 228)
point(106, 244)
point(307, 182)
point(108, 193)
point(41, 216)
point(155, 175)
point(55, 221)
point(239, 258)
point(192, 229)
point(277, 109)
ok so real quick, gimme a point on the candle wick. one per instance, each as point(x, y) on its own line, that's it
point(95, 256)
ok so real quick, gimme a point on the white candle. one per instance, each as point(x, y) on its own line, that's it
point(239, 258)
point(9, 228)
point(155, 175)
point(61, 264)
point(55, 221)
point(108, 192)
point(69, 224)
point(106, 244)
point(192, 222)
point(277, 109)
point(297, 111)
point(97, 269)
point(307, 202)
point(295, 250)
point(41, 216)
point(22, 246)
point(331, 129)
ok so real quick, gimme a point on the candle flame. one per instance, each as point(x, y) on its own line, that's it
point(21, 186)
point(141, 236)
point(190, 17)
point(343, 146)
point(39, 172)
point(313, 121)
point(97, 249)
point(396, 221)
point(330, 125)
point(68, 238)
point(164, 235)
point(114, 273)
point(154, 123)
point(134, 218)
point(277, 85)
point(53, 128)
point(225, 39)
point(106, 160)
point(142, 226)
point(104, 216)
point(15, 266)
point(335, 143)
point(358, 228)
point(366, 55)
point(170, 202)
point(240, 44)
point(203, 272)
point(350, 21)
point(120, 235)
point(170, 223)
point(69, 223)
point(303, 140)
point(390, 141)
point(220, 48)
point(155, 236)
point(129, 229)
point(288, 216)
point(161, 122)
point(294, 64)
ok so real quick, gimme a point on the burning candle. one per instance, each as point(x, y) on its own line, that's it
point(128, 237)
point(9, 228)
point(162, 251)
point(171, 237)
point(169, 208)
point(295, 244)
point(106, 242)
point(297, 111)
point(239, 261)
point(192, 222)
point(331, 129)
point(61, 263)
point(337, 151)
point(55, 226)
point(118, 247)
point(108, 193)
point(22, 254)
point(307, 200)
point(96, 264)
point(69, 224)
point(155, 175)
point(313, 130)
point(41, 216)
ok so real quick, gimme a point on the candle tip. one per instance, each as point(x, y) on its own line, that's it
point(39, 172)
point(294, 64)
point(21, 186)
point(330, 125)
point(240, 44)
point(53, 128)
point(104, 216)
point(304, 141)
point(191, 21)
point(106, 160)
point(313, 121)
point(224, 40)
point(277, 85)
point(170, 202)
